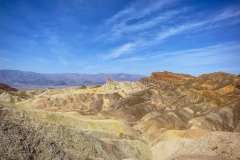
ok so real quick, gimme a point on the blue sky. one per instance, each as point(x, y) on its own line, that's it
point(112, 36)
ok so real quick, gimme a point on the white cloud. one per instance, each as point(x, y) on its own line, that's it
point(121, 50)
point(212, 58)
point(118, 25)
point(225, 15)
point(203, 52)
point(176, 30)
point(141, 31)
point(204, 24)
point(139, 9)
point(119, 29)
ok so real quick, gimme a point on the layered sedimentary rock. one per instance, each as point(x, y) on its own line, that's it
point(33, 134)
point(197, 145)
point(176, 116)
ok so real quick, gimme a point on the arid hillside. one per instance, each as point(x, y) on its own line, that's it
point(162, 117)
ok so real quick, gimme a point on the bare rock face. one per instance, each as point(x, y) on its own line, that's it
point(9, 94)
point(208, 102)
point(5, 87)
point(176, 116)
point(168, 76)
point(197, 145)
point(28, 134)
point(87, 102)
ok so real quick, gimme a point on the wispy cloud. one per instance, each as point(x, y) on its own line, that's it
point(121, 50)
point(227, 13)
point(121, 29)
point(138, 9)
point(228, 49)
point(176, 30)
point(138, 17)
point(218, 57)
point(79, 33)
point(224, 15)
point(156, 37)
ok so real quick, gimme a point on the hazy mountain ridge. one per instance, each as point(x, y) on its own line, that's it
point(25, 79)
point(164, 116)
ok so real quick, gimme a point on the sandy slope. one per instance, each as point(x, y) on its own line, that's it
point(163, 117)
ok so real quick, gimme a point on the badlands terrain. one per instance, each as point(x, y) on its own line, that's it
point(166, 116)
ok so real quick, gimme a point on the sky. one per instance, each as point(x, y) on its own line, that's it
point(120, 36)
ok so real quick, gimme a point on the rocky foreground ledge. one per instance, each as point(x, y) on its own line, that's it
point(162, 117)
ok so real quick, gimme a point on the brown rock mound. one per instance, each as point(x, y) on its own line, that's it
point(180, 116)
point(32, 134)
point(169, 76)
point(197, 145)
point(6, 87)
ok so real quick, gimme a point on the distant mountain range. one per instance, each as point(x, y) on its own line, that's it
point(25, 79)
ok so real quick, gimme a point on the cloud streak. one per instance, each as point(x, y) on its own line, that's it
point(121, 50)
point(225, 15)
point(165, 32)
point(232, 48)
point(138, 9)
point(218, 57)
point(138, 17)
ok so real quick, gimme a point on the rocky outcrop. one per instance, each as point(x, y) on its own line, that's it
point(208, 102)
point(197, 145)
point(9, 94)
point(26, 134)
point(91, 100)
point(5, 87)
point(169, 76)
point(84, 103)
point(177, 116)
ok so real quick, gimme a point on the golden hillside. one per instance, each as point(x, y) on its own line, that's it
point(162, 117)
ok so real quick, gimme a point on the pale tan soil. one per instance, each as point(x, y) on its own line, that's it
point(163, 117)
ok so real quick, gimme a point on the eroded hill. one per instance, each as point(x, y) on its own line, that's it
point(162, 117)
